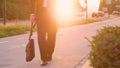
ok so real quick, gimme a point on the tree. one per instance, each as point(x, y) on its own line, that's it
point(111, 6)
point(16, 9)
point(0, 8)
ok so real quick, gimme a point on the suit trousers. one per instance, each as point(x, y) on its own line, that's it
point(46, 30)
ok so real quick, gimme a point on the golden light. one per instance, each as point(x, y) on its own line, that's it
point(64, 7)
point(93, 5)
point(83, 4)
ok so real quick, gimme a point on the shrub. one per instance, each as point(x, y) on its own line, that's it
point(13, 29)
point(105, 48)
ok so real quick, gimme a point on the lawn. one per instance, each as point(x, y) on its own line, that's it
point(13, 29)
point(16, 29)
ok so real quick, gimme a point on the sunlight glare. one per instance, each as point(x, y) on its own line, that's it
point(83, 4)
point(93, 5)
point(64, 7)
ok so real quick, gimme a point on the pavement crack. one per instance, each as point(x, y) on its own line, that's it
point(81, 62)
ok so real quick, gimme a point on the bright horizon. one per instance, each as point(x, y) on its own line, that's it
point(65, 7)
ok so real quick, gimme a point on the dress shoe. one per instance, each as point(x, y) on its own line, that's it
point(44, 63)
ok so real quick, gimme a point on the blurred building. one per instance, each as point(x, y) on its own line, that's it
point(113, 6)
point(117, 6)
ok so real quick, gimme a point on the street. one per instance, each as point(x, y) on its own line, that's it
point(71, 50)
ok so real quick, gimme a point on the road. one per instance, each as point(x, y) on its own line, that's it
point(71, 47)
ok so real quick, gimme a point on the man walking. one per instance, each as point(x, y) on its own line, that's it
point(43, 14)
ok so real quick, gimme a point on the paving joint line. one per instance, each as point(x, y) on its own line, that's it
point(81, 62)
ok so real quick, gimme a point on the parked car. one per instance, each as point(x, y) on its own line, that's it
point(115, 13)
point(98, 14)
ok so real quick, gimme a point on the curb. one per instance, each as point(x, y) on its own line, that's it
point(87, 64)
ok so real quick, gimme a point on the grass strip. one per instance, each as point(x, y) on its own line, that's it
point(13, 29)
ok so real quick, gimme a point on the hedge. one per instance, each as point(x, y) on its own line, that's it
point(105, 48)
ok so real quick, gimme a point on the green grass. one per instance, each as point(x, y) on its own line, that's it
point(78, 22)
point(16, 29)
point(13, 29)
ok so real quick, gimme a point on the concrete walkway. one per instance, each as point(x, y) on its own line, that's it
point(71, 47)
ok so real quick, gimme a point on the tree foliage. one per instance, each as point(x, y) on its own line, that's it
point(110, 7)
point(0, 8)
point(16, 9)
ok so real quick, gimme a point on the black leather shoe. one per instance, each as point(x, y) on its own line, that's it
point(44, 63)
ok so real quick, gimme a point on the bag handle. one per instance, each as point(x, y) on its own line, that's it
point(31, 30)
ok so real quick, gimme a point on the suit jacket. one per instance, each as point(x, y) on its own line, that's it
point(37, 7)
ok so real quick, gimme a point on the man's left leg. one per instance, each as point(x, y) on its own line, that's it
point(51, 43)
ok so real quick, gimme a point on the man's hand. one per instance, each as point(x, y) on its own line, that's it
point(32, 18)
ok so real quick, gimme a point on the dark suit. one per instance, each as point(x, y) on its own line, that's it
point(46, 27)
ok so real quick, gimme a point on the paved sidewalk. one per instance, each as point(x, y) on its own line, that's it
point(87, 65)
point(71, 47)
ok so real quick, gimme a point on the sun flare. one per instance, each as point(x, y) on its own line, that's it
point(83, 4)
point(67, 7)
point(64, 7)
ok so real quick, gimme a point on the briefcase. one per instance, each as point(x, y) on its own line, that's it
point(30, 51)
point(30, 48)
